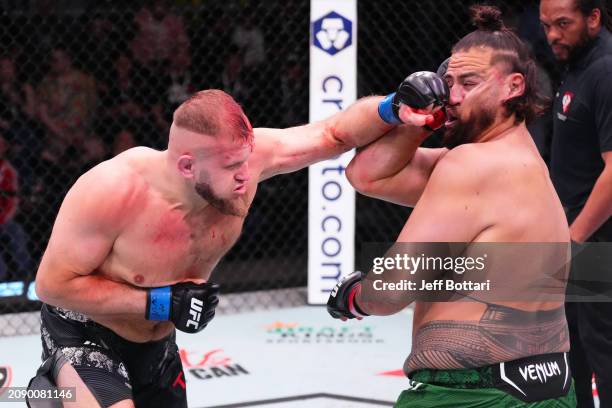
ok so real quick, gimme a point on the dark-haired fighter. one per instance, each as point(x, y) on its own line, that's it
point(489, 186)
point(138, 236)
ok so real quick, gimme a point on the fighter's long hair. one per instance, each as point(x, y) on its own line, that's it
point(508, 49)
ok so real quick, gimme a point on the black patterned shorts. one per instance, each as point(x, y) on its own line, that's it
point(112, 367)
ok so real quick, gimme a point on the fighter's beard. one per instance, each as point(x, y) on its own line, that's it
point(237, 207)
point(467, 131)
point(578, 50)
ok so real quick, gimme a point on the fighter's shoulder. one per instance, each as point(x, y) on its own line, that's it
point(474, 168)
point(267, 138)
point(463, 162)
point(492, 163)
point(117, 177)
point(267, 142)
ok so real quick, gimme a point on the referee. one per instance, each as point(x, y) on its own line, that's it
point(581, 169)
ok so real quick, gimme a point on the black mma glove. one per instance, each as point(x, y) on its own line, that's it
point(341, 302)
point(418, 91)
point(441, 71)
point(189, 305)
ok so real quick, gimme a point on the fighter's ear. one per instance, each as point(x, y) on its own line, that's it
point(515, 85)
point(184, 164)
point(594, 21)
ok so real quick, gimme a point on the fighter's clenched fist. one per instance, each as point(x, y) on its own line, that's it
point(418, 101)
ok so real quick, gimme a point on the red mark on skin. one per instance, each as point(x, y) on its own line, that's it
point(212, 235)
point(237, 121)
point(191, 271)
point(164, 226)
point(436, 120)
point(139, 279)
point(169, 229)
point(334, 136)
point(250, 134)
point(159, 236)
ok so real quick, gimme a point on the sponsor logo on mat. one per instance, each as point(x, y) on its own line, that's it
point(210, 365)
point(291, 333)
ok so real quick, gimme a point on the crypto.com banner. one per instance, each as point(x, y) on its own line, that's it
point(333, 87)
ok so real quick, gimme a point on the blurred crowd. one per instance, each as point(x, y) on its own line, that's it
point(77, 90)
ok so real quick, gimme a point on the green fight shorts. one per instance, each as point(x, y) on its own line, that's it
point(542, 381)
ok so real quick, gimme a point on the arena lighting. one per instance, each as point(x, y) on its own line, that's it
point(13, 289)
point(10, 289)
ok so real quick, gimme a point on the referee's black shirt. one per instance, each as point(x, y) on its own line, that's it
point(582, 128)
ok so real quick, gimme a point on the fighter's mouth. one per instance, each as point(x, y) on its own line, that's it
point(240, 189)
point(451, 119)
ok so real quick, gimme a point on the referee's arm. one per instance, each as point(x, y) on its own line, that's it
point(598, 207)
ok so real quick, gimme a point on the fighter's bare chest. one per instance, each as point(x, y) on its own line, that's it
point(163, 246)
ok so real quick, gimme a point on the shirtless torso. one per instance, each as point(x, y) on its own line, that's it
point(164, 244)
point(492, 186)
point(133, 222)
point(159, 242)
point(514, 202)
point(492, 192)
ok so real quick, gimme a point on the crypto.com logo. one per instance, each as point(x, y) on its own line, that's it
point(332, 33)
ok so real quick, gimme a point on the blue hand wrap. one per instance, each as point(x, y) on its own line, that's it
point(158, 303)
point(385, 110)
